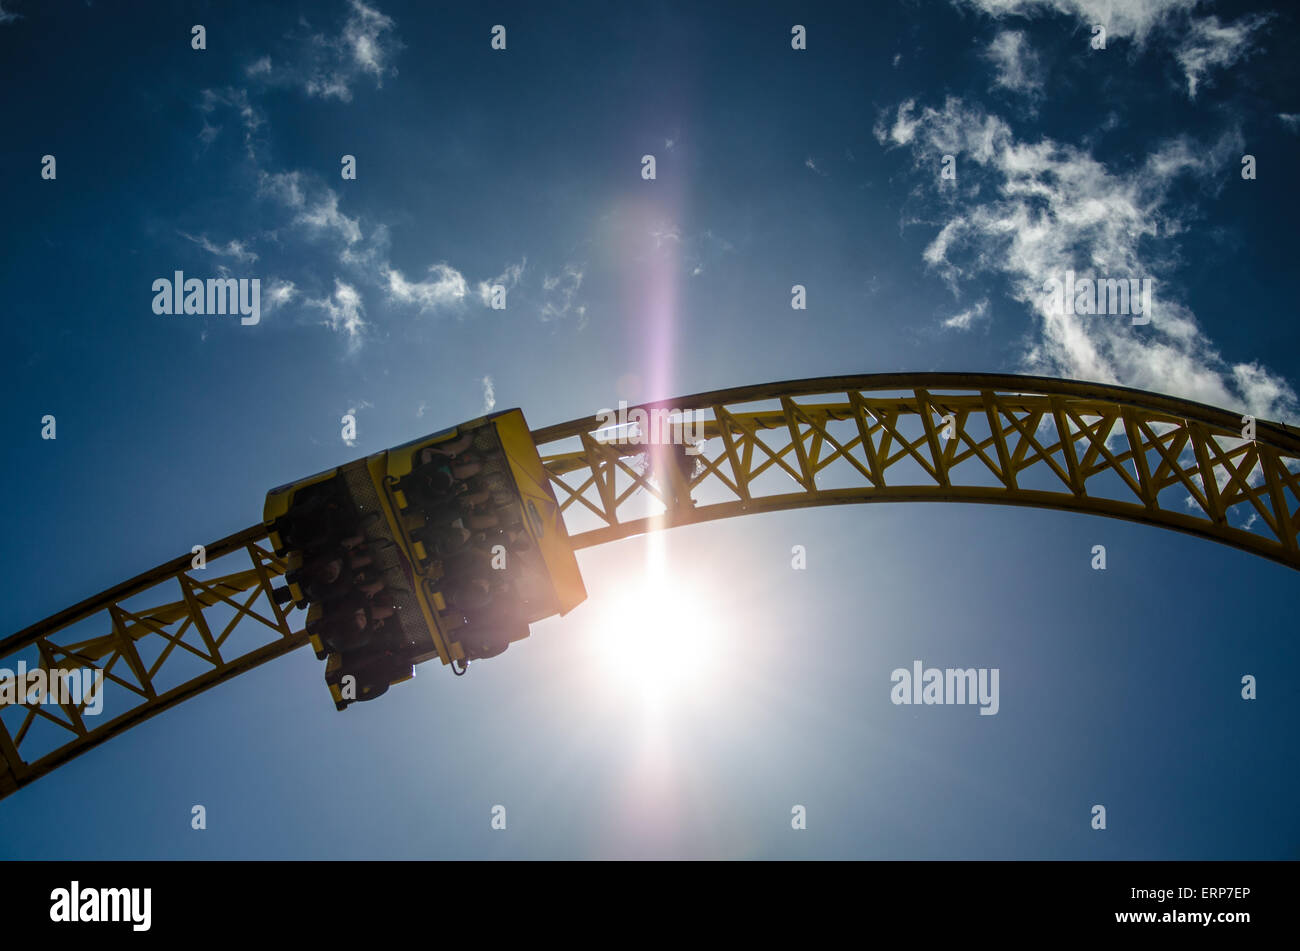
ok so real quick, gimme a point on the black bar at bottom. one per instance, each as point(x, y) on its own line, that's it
point(344, 901)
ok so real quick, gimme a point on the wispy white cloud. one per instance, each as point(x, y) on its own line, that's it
point(6, 17)
point(445, 287)
point(334, 64)
point(323, 216)
point(328, 65)
point(343, 312)
point(965, 319)
point(316, 207)
point(364, 254)
point(1290, 119)
point(211, 101)
point(1017, 65)
point(665, 233)
point(370, 255)
point(363, 36)
point(947, 131)
point(561, 291)
point(702, 249)
point(284, 187)
point(278, 292)
point(1200, 44)
point(489, 395)
point(1052, 207)
point(231, 249)
point(1211, 45)
point(1130, 19)
point(508, 278)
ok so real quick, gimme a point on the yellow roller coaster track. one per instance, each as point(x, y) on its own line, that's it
point(175, 631)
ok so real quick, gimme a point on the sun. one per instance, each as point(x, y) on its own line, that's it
point(658, 640)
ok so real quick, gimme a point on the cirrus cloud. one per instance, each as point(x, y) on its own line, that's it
point(1041, 208)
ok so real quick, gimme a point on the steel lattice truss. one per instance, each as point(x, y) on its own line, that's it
point(939, 437)
point(158, 639)
point(176, 631)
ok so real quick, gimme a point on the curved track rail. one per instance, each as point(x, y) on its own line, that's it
point(175, 631)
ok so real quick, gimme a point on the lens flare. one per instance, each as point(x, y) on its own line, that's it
point(659, 640)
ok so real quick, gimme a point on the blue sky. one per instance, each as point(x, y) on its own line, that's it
point(774, 167)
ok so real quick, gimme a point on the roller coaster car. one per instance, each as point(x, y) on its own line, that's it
point(447, 546)
point(371, 675)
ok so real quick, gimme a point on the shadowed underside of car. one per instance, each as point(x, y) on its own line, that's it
point(448, 546)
